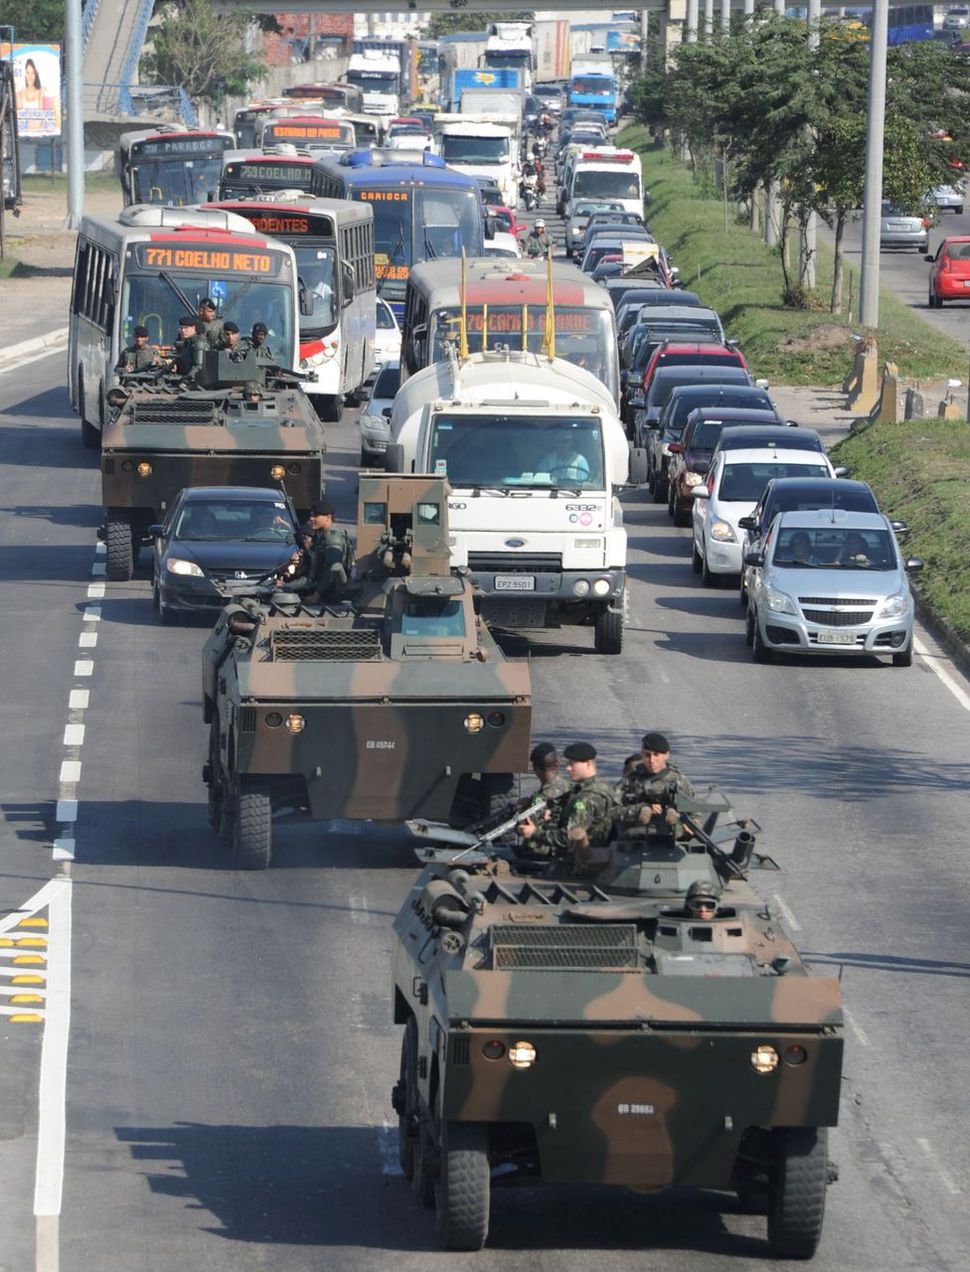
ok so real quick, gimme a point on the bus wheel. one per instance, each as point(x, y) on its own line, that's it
point(90, 436)
point(119, 548)
point(331, 408)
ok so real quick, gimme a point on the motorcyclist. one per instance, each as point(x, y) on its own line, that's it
point(538, 243)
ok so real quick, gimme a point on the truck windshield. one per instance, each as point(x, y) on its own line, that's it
point(474, 149)
point(518, 451)
point(374, 81)
point(593, 85)
point(617, 183)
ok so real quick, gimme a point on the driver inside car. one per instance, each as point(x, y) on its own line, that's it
point(565, 462)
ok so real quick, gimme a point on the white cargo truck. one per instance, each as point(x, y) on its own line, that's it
point(482, 148)
point(535, 455)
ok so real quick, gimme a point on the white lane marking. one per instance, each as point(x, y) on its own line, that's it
point(10, 990)
point(854, 1025)
point(64, 849)
point(78, 701)
point(22, 1008)
point(31, 906)
point(786, 913)
point(92, 613)
point(935, 664)
point(66, 810)
point(52, 1112)
point(359, 912)
point(87, 640)
point(947, 1179)
point(98, 569)
point(74, 735)
point(387, 1145)
point(70, 772)
point(84, 667)
point(95, 591)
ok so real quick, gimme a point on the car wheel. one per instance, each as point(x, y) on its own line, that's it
point(708, 579)
point(651, 480)
point(742, 591)
point(904, 658)
point(749, 626)
point(696, 560)
point(759, 650)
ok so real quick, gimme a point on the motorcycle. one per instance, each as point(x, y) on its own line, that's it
point(528, 191)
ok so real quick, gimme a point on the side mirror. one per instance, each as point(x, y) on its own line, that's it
point(676, 448)
point(748, 523)
point(761, 384)
point(900, 530)
point(387, 412)
point(732, 343)
point(394, 457)
point(913, 564)
point(700, 492)
point(638, 466)
point(929, 257)
point(155, 532)
point(756, 559)
point(841, 470)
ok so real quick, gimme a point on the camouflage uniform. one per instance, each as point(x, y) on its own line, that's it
point(213, 333)
point(587, 806)
point(261, 350)
point(538, 244)
point(640, 789)
point(331, 557)
point(135, 359)
point(184, 355)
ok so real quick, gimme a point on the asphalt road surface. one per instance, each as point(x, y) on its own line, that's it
point(231, 1052)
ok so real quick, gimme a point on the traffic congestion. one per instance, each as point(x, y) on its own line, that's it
point(489, 747)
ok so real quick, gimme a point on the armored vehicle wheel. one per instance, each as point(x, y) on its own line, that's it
point(407, 1099)
point(119, 547)
point(609, 632)
point(797, 1202)
point(463, 1189)
point(215, 810)
point(422, 1178)
point(253, 828)
point(759, 650)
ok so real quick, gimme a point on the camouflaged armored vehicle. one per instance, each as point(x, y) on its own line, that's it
point(585, 1026)
point(165, 434)
point(394, 705)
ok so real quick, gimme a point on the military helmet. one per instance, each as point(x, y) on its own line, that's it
point(700, 894)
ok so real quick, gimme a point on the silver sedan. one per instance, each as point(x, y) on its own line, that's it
point(899, 228)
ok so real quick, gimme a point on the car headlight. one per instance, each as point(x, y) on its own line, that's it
point(175, 565)
point(779, 602)
point(692, 479)
point(764, 1058)
point(522, 1055)
point(722, 531)
point(575, 231)
point(893, 606)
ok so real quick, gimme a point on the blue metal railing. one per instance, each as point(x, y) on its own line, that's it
point(87, 20)
point(189, 117)
point(136, 41)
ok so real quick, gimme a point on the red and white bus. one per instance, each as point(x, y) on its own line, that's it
point(151, 266)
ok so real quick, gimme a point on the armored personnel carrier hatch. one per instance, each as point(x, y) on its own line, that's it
point(167, 434)
point(395, 705)
point(559, 1032)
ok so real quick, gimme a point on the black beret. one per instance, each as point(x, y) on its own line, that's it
point(208, 303)
point(655, 742)
point(260, 326)
point(322, 508)
point(188, 320)
point(541, 751)
point(580, 751)
point(230, 326)
point(141, 331)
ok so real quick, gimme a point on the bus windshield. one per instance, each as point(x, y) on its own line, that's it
point(420, 224)
point(593, 85)
point(474, 149)
point(315, 265)
point(176, 181)
point(583, 336)
point(616, 183)
point(158, 300)
point(500, 451)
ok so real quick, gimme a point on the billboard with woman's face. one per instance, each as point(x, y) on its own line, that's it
point(37, 84)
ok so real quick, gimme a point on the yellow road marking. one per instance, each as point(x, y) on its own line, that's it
point(26, 1018)
point(33, 921)
point(25, 942)
point(28, 980)
point(23, 960)
point(27, 998)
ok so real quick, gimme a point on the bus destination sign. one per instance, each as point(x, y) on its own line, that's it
point(210, 260)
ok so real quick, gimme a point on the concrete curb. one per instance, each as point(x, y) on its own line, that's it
point(48, 343)
point(957, 648)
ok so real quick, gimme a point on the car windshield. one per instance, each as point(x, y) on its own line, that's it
point(512, 451)
point(216, 520)
point(684, 403)
point(387, 383)
point(834, 548)
point(385, 317)
point(745, 482)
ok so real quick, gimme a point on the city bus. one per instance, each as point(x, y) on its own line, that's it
point(422, 210)
point(334, 96)
point(246, 121)
point(152, 265)
point(513, 296)
point(253, 175)
point(173, 168)
point(305, 131)
point(333, 241)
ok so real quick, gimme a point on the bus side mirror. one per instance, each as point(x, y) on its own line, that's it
point(350, 291)
point(489, 227)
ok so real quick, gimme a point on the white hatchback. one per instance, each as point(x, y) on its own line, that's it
point(387, 337)
point(735, 483)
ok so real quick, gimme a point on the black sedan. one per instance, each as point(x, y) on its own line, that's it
point(215, 533)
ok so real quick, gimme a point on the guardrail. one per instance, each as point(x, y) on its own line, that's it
point(88, 14)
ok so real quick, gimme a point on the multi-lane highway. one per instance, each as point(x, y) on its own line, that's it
point(231, 1054)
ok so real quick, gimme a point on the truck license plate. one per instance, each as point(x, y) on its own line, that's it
point(515, 583)
point(836, 638)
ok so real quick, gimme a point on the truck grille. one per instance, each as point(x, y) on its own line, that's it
point(600, 946)
point(516, 562)
point(247, 719)
point(838, 618)
point(460, 1048)
point(337, 645)
point(174, 411)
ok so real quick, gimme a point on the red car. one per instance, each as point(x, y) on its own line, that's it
point(505, 220)
point(710, 354)
point(950, 271)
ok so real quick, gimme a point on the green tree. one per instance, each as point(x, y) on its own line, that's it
point(440, 24)
point(34, 21)
point(203, 51)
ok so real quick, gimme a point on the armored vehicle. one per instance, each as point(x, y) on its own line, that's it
point(395, 705)
point(166, 434)
point(591, 1024)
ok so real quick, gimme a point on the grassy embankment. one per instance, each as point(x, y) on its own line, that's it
point(736, 274)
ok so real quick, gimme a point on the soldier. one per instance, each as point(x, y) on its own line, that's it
point(545, 765)
point(230, 340)
point(646, 794)
point(701, 900)
point(257, 341)
point(184, 347)
point(208, 324)
point(582, 819)
point(538, 243)
point(252, 392)
point(138, 356)
point(330, 558)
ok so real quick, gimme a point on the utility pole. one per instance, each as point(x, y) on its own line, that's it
point(74, 122)
point(872, 199)
point(809, 245)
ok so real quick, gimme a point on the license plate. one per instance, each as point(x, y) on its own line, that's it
point(836, 638)
point(515, 583)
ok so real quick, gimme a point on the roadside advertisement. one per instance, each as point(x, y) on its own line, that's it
point(37, 88)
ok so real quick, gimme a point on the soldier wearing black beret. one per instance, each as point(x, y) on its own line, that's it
point(581, 820)
point(646, 794)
